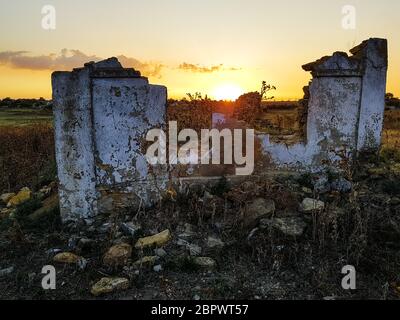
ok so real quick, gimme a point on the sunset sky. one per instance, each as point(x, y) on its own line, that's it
point(210, 46)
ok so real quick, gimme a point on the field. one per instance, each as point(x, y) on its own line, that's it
point(24, 117)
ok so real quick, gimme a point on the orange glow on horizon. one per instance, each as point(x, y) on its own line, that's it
point(227, 92)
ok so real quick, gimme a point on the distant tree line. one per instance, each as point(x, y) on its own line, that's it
point(41, 103)
point(392, 101)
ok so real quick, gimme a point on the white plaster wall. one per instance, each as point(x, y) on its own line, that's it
point(74, 144)
point(124, 110)
point(373, 95)
point(331, 126)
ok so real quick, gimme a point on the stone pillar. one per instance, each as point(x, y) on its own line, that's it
point(102, 115)
point(333, 107)
point(74, 144)
point(374, 56)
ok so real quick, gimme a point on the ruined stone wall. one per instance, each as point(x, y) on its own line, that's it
point(102, 115)
point(104, 111)
point(345, 110)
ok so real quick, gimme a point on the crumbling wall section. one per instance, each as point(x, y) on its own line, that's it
point(344, 113)
point(102, 115)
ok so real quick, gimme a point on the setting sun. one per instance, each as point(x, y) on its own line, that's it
point(227, 92)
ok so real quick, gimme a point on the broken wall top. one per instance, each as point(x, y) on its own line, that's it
point(109, 68)
point(373, 50)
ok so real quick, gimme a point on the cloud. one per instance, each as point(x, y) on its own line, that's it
point(197, 68)
point(68, 59)
point(150, 69)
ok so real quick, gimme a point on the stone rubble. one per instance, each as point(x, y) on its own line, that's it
point(118, 255)
point(22, 196)
point(310, 205)
point(108, 285)
point(158, 240)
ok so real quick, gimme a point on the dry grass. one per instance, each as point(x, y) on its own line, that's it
point(196, 114)
point(26, 156)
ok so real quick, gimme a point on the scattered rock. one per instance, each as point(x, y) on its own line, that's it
point(252, 233)
point(52, 252)
point(259, 208)
point(130, 228)
point(188, 232)
point(24, 195)
point(158, 268)
point(182, 243)
point(205, 262)
point(147, 261)
point(82, 263)
point(290, 226)
point(160, 252)
point(159, 240)
point(105, 227)
point(47, 190)
point(196, 297)
point(306, 190)
point(310, 205)
point(194, 250)
point(342, 185)
point(118, 255)
point(72, 243)
point(395, 201)
point(67, 257)
point(6, 272)
point(5, 213)
point(207, 197)
point(322, 184)
point(108, 285)
point(6, 197)
point(215, 243)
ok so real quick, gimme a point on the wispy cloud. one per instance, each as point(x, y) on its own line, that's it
point(201, 69)
point(150, 69)
point(69, 59)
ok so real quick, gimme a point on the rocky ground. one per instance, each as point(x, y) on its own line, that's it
point(286, 237)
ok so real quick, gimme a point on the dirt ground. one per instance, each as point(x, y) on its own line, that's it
point(360, 227)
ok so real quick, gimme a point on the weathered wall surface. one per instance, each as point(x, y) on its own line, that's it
point(345, 109)
point(74, 144)
point(102, 115)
